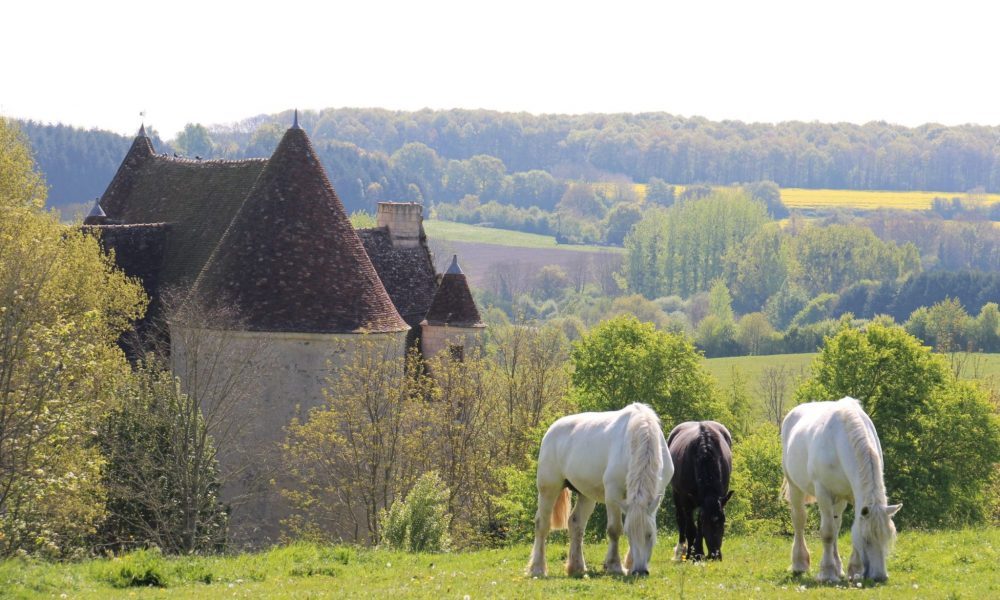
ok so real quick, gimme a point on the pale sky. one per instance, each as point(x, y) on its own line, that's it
point(99, 63)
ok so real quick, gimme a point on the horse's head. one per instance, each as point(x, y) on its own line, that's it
point(713, 523)
point(640, 527)
point(872, 536)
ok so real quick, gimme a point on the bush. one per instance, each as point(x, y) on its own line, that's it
point(758, 504)
point(139, 568)
point(940, 436)
point(420, 523)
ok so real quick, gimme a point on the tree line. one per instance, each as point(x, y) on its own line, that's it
point(373, 154)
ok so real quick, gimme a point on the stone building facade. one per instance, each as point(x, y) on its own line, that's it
point(268, 243)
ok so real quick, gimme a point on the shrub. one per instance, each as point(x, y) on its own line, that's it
point(758, 504)
point(940, 436)
point(140, 568)
point(420, 523)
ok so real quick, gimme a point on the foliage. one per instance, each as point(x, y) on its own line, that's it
point(362, 220)
point(353, 457)
point(141, 568)
point(680, 250)
point(21, 185)
point(939, 435)
point(758, 505)
point(419, 523)
point(62, 307)
point(621, 361)
point(161, 471)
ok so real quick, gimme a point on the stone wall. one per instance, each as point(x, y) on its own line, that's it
point(438, 338)
point(404, 220)
point(255, 383)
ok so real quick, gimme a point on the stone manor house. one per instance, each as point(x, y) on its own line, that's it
point(268, 240)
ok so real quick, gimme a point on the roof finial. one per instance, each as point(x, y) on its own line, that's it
point(454, 269)
point(295, 122)
point(97, 211)
point(142, 130)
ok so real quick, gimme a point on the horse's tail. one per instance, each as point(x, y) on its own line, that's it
point(560, 511)
point(646, 458)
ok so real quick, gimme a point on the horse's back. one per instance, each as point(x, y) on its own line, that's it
point(590, 450)
point(683, 443)
point(816, 446)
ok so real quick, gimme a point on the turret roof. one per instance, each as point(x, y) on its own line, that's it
point(453, 303)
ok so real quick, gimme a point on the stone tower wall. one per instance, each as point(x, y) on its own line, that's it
point(277, 376)
point(404, 220)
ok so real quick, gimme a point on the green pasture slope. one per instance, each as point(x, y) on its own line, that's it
point(462, 232)
point(951, 564)
point(971, 366)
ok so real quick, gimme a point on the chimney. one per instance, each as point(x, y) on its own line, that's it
point(404, 220)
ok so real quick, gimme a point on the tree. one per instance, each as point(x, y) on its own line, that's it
point(20, 182)
point(63, 306)
point(623, 361)
point(195, 140)
point(939, 435)
point(659, 193)
point(354, 455)
point(580, 202)
point(773, 387)
point(620, 220)
point(769, 193)
point(161, 475)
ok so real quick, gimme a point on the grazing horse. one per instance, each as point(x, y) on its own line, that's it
point(619, 458)
point(702, 455)
point(831, 455)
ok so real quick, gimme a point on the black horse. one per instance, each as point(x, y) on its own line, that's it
point(703, 460)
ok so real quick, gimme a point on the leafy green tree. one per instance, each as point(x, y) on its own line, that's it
point(986, 329)
point(620, 221)
point(623, 361)
point(681, 250)
point(939, 435)
point(659, 193)
point(195, 140)
point(415, 163)
point(63, 306)
point(580, 202)
point(161, 472)
point(757, 268)
point(769, 193)
point(21, 184)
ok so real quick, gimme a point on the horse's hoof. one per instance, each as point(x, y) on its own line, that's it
point(640, 572)
point(828, 578)
point(614, 570)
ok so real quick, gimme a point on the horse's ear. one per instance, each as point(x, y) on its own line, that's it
point(893, 509)
point(728, 496)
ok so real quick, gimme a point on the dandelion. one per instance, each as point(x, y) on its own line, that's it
point(916, 587)
point(466, 597)
point(388, 565)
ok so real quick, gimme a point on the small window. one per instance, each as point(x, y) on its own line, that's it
point(457, 352)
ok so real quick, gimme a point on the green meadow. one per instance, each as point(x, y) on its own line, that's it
point(462, 232)
point(946, 564)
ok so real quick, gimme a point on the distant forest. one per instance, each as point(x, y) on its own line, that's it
point(524, 159)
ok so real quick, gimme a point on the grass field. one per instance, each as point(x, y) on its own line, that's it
point(953, 564)
point(971, 366)
point(462, 232)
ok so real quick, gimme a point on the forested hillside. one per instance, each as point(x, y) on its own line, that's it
point(521, 159)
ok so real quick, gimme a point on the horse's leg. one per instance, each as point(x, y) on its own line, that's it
point(694, 551)
point(575, 565)
point(681, 539)
point(546, 500)
point(855, 567)
point(829, 526)
point(838, 512)
point(800, 553)
point(613, 562)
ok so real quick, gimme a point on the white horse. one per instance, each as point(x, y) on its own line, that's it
point(618, 457)
point(831, 455)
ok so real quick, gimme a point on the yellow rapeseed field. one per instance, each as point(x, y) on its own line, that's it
point(804, 199)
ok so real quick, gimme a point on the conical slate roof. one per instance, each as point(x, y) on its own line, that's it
point(453, 303)
point(290, 260)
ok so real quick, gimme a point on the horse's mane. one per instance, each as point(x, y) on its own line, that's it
point(646, 461)
point(869, 461)
point(866, 454)
point(708, 468)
